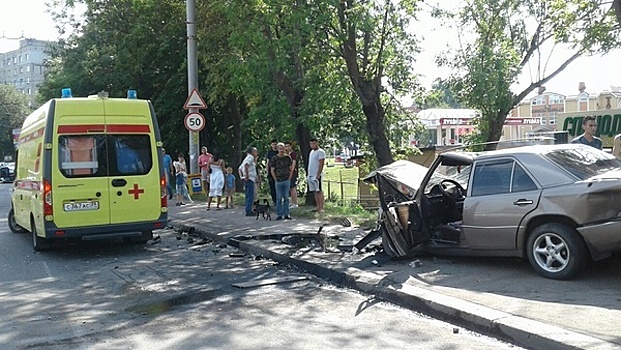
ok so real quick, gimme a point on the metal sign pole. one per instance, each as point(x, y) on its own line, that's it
point(192, 79)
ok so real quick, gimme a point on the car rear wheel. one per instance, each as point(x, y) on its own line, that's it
point(13, 226)
point(556, 251)
point(38, 243)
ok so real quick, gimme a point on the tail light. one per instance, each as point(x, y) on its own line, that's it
point(163, 195)
point(47, 198)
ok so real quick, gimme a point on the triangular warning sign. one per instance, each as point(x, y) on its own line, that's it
point(194, 101)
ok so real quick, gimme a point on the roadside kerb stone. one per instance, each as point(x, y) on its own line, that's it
point(518, 330)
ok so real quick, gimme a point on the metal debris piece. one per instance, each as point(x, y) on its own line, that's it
point(237, 255)
point(268, 281)
point(415, 263)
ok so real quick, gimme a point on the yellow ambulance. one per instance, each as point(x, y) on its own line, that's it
point(89, 168)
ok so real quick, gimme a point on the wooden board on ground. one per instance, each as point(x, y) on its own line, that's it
point(268, 281)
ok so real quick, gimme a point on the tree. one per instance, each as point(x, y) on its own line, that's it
point(13, 110)
point(372, 39)
point(510, 35)
point(121, 45)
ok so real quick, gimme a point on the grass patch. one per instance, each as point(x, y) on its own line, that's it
point(340, 185)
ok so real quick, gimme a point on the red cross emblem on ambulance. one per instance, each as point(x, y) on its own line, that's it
point(136, 191)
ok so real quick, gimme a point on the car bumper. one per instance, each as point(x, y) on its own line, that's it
point(602, 238)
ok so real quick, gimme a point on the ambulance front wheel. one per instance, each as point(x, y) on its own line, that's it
point(38, 243)
point(13, 226)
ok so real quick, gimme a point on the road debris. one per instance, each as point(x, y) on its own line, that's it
point(268, 281)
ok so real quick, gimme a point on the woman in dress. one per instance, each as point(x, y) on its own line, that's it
point(216, 180)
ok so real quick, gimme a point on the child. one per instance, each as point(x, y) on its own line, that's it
point(230, 187)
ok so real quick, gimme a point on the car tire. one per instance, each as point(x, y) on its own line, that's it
point(39, 244)
point(556, 251)
point(13, 226)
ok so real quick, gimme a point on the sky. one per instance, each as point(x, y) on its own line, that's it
point(30, 19)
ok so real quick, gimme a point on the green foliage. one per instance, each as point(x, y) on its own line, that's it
point(513, 34)
point(13, 110)
point(126, 44)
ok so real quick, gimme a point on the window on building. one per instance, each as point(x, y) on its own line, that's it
point(21, 70)
point(583, 97)
point(28, 68)
point(29, 92)
point(556, 99)
point(552, 118)
point(27, 57)
point(20, 58)
point(14, 60)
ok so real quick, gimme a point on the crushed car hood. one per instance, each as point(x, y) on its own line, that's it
point(401, 172)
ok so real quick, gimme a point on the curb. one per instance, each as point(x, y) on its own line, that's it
point(514, 329)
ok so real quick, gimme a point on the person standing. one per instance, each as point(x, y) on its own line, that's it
point(169, 171)
point(316, 159)
point(588, 137)
point(216, 181)
point(270, 154)
point(281, 171)
point(229, 181)
point(204, 161)
point(181, 176)
point(248, 173)
point(294, 178)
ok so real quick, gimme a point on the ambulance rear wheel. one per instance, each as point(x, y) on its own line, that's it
point(13, 226)
point(38, 243)
point(146, 236)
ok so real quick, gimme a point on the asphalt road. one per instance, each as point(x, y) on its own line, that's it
point(178, 295)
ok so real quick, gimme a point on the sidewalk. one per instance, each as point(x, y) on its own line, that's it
point(502, 297)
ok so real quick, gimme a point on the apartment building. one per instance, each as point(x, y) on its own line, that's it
point(24, 67)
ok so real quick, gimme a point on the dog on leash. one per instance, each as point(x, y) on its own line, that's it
point(263, 209)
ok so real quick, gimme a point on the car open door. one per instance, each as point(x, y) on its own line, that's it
point(399, 221)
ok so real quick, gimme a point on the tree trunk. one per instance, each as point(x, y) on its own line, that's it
point(495, 130)
point(236, 111)
point(374, 112)
point(616, 4)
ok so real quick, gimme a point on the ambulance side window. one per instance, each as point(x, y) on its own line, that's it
point(82, 156)
point(131, 155)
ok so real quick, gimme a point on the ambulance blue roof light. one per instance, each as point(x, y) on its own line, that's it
point(66, 93)
point(132, 94)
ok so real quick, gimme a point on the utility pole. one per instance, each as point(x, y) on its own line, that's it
point(192, 78)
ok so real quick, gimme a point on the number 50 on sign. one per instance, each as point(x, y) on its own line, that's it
point(194, 121)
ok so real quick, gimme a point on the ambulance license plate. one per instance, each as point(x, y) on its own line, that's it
point(78, 206)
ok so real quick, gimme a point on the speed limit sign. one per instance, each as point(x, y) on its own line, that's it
point(194, 121)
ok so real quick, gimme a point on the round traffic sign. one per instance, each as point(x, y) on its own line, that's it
point(194, 121)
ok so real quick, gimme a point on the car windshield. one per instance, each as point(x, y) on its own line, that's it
point(585, 162)
point(459, 173)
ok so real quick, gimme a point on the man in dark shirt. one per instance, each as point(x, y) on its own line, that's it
point(281, 170)
point(588, 137)
point(270, 154)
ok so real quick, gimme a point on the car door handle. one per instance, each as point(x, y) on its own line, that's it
point(119, 182)
point(521, 202)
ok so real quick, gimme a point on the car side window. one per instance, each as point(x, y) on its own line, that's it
point(521, 180)
point(492, 178)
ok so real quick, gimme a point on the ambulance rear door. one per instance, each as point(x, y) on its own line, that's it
point(79, 165)
point(134, 187)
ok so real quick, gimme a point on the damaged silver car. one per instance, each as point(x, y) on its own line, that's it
point(556, 205)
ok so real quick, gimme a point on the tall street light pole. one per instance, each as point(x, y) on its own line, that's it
point(192, 78)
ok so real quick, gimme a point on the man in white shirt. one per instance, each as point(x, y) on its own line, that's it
point(248, 173)
point(316, 160)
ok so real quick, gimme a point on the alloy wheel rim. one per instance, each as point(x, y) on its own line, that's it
point(550, 252)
